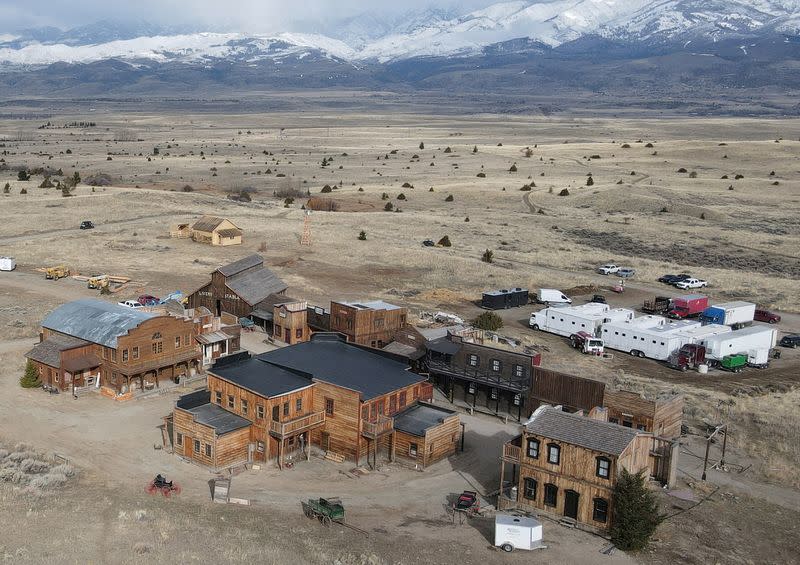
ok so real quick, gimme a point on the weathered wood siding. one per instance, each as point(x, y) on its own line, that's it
point(572, 392)
point(343, 427)
point(443, 440)
point(662, 417)
point(374, 328)
point(226, 450)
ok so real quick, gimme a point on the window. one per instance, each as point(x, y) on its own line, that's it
point(218, 397)
point(298, 333)
point(243, 404)
point(412, 449)
point(641, 427)
point(402, 399)
point(231, 402)
point(177, 342)
point(529, 488)
point(208, 450)
point(365, 412)
point(533, 448)
point(260, 411)
point(298, 405)
point(392, 404)
point(114, 355)
point(627, 423)
point(496, 365)
point(186, 339)
point(136, 352)
point(278, 330)
point(473, 360)
point(378, 323)
point(178, 439)
point(550, 495)
point(157, 346)
point(600, 510)
point(329, 406)
point(124, 355)
point(603, 469)
point(197, 446)
point(519, 371)
point(285, 408)
point(260, 446)
point(553, 453)
point(276, 413)
point(416, 393)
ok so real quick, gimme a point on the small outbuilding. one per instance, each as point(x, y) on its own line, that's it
point(216, 231)
point(505, 298)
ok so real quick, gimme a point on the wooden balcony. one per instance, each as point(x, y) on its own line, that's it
point(291, 427)
point(374, 430)
point(511, 453)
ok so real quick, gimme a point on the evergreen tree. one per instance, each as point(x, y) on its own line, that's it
point(488, 321)
point(31, 377)
point(635, 512)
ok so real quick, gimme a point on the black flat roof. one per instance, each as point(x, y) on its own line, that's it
point(329, 358)
point(419, 418)
point(261, 378)
point(215, 417)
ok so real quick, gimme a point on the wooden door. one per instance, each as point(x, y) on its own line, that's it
point(288, 335)
point(571, 504)
point(187, 446)
point(325, 441)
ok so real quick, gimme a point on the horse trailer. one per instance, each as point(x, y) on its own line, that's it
point(570, 320)
point(649, 336)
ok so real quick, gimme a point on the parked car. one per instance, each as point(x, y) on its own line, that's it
point(673, 279)
point(792, 341)
point(87, 225)
point(130, 304)
point(625, 272)
point(607, 269)
point(691, 283)
point(599, 299)
point(763, 315)
point(428, 243)
point(148, 300)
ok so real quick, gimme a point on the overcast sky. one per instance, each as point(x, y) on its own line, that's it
point(217, 15)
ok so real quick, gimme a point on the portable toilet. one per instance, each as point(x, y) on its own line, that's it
point(517, 532)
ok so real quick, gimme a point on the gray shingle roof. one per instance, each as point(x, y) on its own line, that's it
point(328, 358)
point(238, 266)
point(95, 320)
point(215, 417)
point(255, 286)
point(419, 418)
point(49, 350)
point(207, 223)
point(550, 423)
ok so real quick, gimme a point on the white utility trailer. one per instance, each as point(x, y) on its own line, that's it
point(654, 337)
point(754, 341)
point(7, 264)
point(570, 320)
point(737, 314)
point(517, 532)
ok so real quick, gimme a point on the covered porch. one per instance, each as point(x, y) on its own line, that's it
point(292, 437)
point(149, 375)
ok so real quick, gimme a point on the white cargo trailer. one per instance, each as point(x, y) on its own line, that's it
point(7, 264)
point(754, 341)
point(696, 334)
point(647, 336)
point(737, 314)
point(573, 319)
point(517, 532)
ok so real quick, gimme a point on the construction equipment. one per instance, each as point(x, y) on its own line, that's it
point(98, 282)
point(55, 273)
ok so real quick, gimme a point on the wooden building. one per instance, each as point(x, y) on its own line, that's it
point(93, 342)
point(662, 416)
point(339, 397)
point(561, 389)
point(216, 231)
point(238, 288)
point(566, 465)
point(216, 336)
point(367, 323)
point(485, 378)
point(290, 323)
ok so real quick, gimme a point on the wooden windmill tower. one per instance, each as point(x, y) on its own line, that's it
point(306, 239)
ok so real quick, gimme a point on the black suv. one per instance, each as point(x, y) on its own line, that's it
point(87, 225)
point(792, 341)
point(672, 279)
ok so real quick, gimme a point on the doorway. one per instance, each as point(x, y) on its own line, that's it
point(571, 504)
point(219, 308)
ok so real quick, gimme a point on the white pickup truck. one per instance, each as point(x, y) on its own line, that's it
point(608, 269)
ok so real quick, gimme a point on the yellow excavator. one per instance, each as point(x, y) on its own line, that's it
point(55, 273)
point(98, 282)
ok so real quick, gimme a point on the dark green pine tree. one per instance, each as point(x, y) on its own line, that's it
point(635, 512)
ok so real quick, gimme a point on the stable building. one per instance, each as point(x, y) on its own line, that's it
point(90, 342)
point(349, 401)
point(239, 288)
point(216, 231)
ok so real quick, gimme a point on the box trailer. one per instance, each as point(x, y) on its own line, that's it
point(517, 532)
point(647, 338)
point(552, 296)
point(736, 314)
point(696, 334)
point(688, 306)
point(7, 264)
point(570, 320)
point(754, 341)
point(505, 298)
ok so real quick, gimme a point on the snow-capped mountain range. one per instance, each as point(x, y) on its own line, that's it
point(375, 39)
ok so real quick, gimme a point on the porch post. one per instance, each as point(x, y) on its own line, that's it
point(502, 476)
point(394, 443)
point(280, 454)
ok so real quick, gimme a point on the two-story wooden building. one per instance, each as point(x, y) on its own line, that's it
point(484, 377)
point(348, 400)
point(372, 323)
point(567, 464)
point(238, 288)
point(91, 342)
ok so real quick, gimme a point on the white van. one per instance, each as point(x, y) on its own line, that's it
point(130, 304)
point(552, 296)
point(7, 264)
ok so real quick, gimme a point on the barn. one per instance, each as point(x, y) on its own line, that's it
point(216, 231)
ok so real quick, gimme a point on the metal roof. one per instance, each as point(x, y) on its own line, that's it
point(255, 286)
point(213, 337)
point(372, 305)
point(329, 358)
point(405, 350)
point(419, 418)
point(215, 417)
point(49, 350)
point(95, 320)
point(208, 223)
point(238, 266)
point(261, 378)
point(550, 423)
